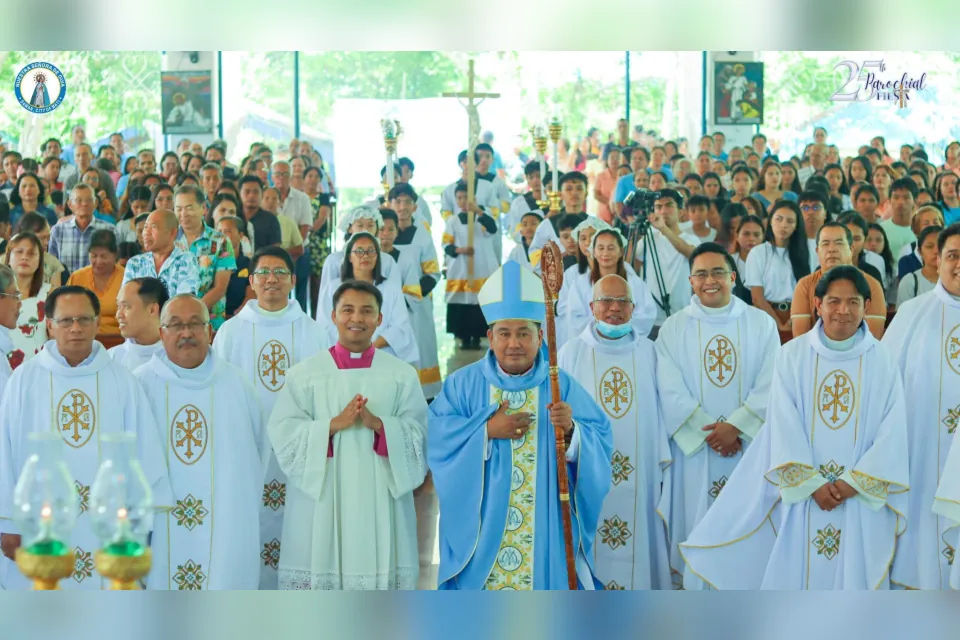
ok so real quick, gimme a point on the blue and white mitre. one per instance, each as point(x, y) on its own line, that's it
point(512, 293)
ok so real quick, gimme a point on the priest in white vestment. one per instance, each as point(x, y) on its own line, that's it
point(924, 339)
point(138, 314)
point(349, 429)
point(9, 314)
point(493, 455)
point(267, 337)
point(73, 387)
point(214, 442)
point(715, 362)
point(617, 366)
point(818, 501)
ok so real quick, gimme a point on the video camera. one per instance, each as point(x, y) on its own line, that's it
point(637, 207)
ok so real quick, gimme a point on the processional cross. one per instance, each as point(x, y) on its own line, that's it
point(473, 139)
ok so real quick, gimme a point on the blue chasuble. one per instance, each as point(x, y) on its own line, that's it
point(475, 491)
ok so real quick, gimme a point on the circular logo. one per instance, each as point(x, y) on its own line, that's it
point(836, 399)
point(952, 349)
point(616, 392)
point(76, 417)
point(514, 518)
point(720, 360)
point(510, 558)
point(272, 365)
point(515, 399)
point(40, 87)
point(188, 434)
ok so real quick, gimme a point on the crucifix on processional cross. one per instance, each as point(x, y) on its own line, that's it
point(903, 94)
point(473, 139)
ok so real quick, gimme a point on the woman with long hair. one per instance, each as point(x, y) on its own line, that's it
point(883, 177)
point(749, 235)
point(837, 182)
point(926, 277)
point(741, 181)
point(362, 261)
point(713, 186)
point(951, 156)
point(775, 267)
point(770, 186)
point(54, 273)
point(170, 168)
point(104, 210)
point(861, 170)
point(28, 196)
point(603, 255)
point(876, 242)
point(162, 197)
point(25, 256)
point(753, 207)
point(948, 196)
point(790, 178)
point(137, 199)
point(606, 182)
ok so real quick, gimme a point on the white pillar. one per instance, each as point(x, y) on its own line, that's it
point(193, 61)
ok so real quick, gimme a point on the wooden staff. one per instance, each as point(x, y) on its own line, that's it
point(551, 267)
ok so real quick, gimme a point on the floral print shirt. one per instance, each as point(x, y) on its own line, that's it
point(31, 332)
point(214, 253)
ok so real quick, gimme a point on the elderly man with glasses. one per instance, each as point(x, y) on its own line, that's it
point(616, 365)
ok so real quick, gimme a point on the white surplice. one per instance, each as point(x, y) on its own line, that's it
point(264, 345)
point(630, 548)
point(461, 289)
point(350, 522)
point(711, 367)
point(573, 307)
point(131, 355)
point(82, 404)
point(395, 327)
point(213, 441)
point(834, 415)
point(924, 340)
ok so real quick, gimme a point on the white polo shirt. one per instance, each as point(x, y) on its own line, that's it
point(769, 267)
point(297, 208)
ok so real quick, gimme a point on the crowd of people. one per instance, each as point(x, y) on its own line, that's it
point(704, 295)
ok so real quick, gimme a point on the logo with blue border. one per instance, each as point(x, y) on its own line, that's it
point(40, 87)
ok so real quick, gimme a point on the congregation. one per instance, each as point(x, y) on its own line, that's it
point(757, 379)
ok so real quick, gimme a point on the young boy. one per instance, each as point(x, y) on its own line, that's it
point(464, 317)
point(527, 227)
point(698, 208)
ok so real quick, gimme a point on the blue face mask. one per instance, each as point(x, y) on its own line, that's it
point(613, 331)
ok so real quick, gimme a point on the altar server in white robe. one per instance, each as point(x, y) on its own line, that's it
point(924, 339)
point(617, 366)
point(366, 218)
point(264, 340)
point(9, 313)
point(818, 501)
point(414, 240)
point(73, 387)
point(363, 261)
point(715, 362)
point(573, 196)
point(138, 313)
point(526, 227)
point(484, 192)
point(600, 253)
point(349, 430)
point(464, 317)
point(215, 443)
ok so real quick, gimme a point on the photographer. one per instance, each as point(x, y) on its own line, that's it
point(667, 272)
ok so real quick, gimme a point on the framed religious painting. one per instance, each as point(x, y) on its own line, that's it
point(738, 93)
point(186, 102)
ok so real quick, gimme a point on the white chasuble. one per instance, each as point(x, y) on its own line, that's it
point(213, 440)
point(631, 550)
point(132, 355)
point(82, 404)
point(712, 366)
point(835, 414)
point(264, 346)
point(924, 339)
point(349, 522)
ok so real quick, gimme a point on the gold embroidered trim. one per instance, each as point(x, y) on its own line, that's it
point(874, 486)
point(792, 475)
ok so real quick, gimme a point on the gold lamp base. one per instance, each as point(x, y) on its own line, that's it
point(554, 197)
point(123, 571)
point(45, 570)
